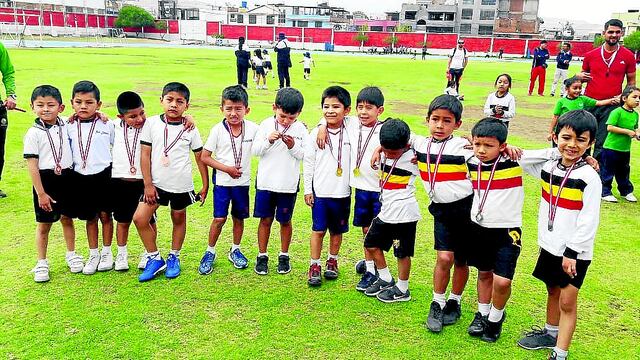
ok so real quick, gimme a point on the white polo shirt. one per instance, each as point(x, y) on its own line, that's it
point(98, 149)
point(219, 143)
point(457, 58)
point(37, 145)
point(121, 165)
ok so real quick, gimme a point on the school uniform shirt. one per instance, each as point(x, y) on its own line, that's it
point(607, 82)
point(307, 63)
point(451, 179)
point(398, 194)
point(219, 143)
point(256, 61)
point(563, 59)
point(121, 167)
point(457, 58)
point(266, 57)
point(37, 145)
point(176, 177)
point(279, 166)
point(564, 105)
point(368, 179)
point(508, 103)
point(321, 165)
point(99, 149)
point(622, 118)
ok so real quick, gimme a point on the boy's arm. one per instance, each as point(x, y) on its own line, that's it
point(44, 200)
point(532, 161)
point(487, 107)
point(298, 148)
point(586, 224)
point(308, 166)
point(150, 192)
point(204, 175)
point(552, 127)
point(261, 143)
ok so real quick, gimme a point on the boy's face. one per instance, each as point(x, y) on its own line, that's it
point(334, 111)
point(487, 149)
point(575, 90)
point(47, 108)
point(174, 104)
point(284, 118)
point(393, 154)
point(234, 112)
point(502, 84)
point(565, 48)
point(134, 117)
point(571, 145)
point(442, 123)
point(368, 114)
point(85, 105)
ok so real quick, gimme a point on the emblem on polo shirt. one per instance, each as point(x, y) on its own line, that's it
point(396, 243)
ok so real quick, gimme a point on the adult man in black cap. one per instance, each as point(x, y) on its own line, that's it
point(283, 50)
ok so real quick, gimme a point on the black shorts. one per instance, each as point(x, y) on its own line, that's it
point(259, 70)
point(401, 236)
point(307, 70)
point(178, 201)
point(91, 194)
point(495, 249)
point(57, 187)
point(267, 65)
point(549, 270)
point(126, 197)
point(451, 227)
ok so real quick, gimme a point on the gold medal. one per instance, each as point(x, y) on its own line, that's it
point(339, 172)
point(356, 172)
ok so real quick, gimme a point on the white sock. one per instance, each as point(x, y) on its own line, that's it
point(234, 246)
point(153, 255)
point(333, 257)
point(282, 253)
point(211, 249)
point(315, 262)
point(176, 253)
point(385, 275)
point(263, 254)
point(403, 285)
point(484, 309)
point(42, 262)
point(440, 299)
point(455, 297)
point(70, 254)
point(495, 315)
point(94, 252)
point(122, 250)
point(106, 249)
point(560, 354)
point(551, 330)
point(371, 266)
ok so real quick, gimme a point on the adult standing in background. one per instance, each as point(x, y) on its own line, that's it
point(283, 50)
point(458, 60)
point(562, 68)
point(8, 79)
point(539, 68)
point(242, 62)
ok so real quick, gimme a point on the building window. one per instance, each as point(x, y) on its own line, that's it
point(376, 28)
point(439, 29)
point(281, 19)
point(487, 14)
point(253, 19)
point(467, 2)
point(271, 19)
point(391, 28)
point(485, 30)
point(296, 10)
point(410, 15)
point(436, 16)
point(318, 24)
point(240, 18)
point(303, 23)
point(488, 2)
point(449, 16)
point(467, 14)
point(465, 28)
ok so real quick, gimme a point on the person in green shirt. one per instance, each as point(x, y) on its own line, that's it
point(616, 151)
point(8, 79)
point(574, 100)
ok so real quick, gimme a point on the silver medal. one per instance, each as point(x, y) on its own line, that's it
point(479, 217)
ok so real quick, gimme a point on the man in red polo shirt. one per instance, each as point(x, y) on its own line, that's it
point(605, 69)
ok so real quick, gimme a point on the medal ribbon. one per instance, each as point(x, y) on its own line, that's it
point(432, 179)
point(237, 155)
point(285, 128)
point(360, 153)
point(84, 153)
point(611, 59)
point(131, 150)
point(553, 206)
point(57, 155)
point(386, 179)
point(486, 190)
point(339, 159)
point(166, 138)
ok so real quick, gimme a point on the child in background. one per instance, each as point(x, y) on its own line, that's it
point(258, 62)
point(268, 66)
point(616, 151)
point(307, 62)
point(501, 104)
point(451, 88)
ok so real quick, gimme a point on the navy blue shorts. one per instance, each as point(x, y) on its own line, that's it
point(332, 214)
point(367, 207)
point(269, 203)
point(236, 196)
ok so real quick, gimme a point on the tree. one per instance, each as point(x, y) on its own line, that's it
point(392, 40)
point(362, 38)
point(598, 41)
point(134, 17)
point(632, 42)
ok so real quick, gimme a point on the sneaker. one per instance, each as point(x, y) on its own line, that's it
point(262, 265)
point(451, 312)
point(121, 262)
point(552, 94)
point(265, 87)
point(361, 267)
point(492, 330)
point(536, 339)
point(476, 328)
point(173, 267)
point(434, 319)
point(630, 197)
point(106, 261)
point(152, 268)
point(91, 266)
point(284, 265)
point(206, 263)
point(553, 355)
point(393, 294)
point(314, 278)
point(238, 259)
point(610, 198)
point(2, 194)
point(41, 272)
point(378, 286)
point(331, 272)
point(75, 263)
point(144, 257)
point(366, 280)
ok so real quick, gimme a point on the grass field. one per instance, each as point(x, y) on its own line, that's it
point(238, 314)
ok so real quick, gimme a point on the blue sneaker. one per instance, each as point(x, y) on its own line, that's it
point(367, 280)
point(153, 267)
point(173, 267)
point(206, 264)
point(238, 259)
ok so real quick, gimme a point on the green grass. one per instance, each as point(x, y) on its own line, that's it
point(237, 314)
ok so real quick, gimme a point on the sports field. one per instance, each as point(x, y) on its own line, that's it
point(238, 314)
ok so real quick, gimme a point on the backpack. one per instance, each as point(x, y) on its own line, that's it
point(456, 48)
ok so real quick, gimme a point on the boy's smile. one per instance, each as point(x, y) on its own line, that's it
point(368, 113)
point(572, 146)
point(334, 111)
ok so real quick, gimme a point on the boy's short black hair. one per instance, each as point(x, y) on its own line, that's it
point(46, 90)
point(290, 100)
point(371, 95)
point(394, 134)
point(235, 93)
point(567, 43)
point(180, 88)
point(579, 121)
point(447, 102)
point(339, 93)
point(490, 127)
point(613, 22)
point(572, 80)
point(128, 101)
point(84, 87)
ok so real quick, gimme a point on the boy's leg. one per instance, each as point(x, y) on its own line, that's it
point(543, 78)
point(568, 317)
point(286, 233)
point(68, 232)
point(122, 233)
point(214, 231)
point(107, 228)
point(541, 338)
point(92, 233)
point(607, 171)
point(179, 220)
point(264, 231)
point(42, 239)
point(147, 232)
point(316, 244)
point(625, 186)
point(556, 78)
point(238, 230)
point(564, 74)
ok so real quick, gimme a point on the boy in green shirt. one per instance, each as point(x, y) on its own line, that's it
point(8, 79)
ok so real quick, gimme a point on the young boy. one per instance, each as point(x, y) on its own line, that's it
point(91, 140)
point(280, 144)
point(567, 224)
point(326, 183)
point(230, 142)
point(49, 160)
point(396, 223)
point(166, 172)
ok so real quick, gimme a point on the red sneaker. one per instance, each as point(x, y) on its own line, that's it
point(314, 275)
point(331, 272)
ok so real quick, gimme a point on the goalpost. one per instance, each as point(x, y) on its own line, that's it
point(18, 29)
point(302, 40)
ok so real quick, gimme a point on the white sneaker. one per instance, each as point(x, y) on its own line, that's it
point(75, 263)
point(91, 266)
point(631, 198)
point(106, 261)
point(610, 198)
point(41, 272)
point(121, 262)
point(143, 260)
point(265, 87)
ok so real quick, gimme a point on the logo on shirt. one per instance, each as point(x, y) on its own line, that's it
point(396, 243)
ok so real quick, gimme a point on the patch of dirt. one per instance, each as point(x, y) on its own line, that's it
point(148, 86)
point(527, 127)
point(533, 106)
point(404, 107)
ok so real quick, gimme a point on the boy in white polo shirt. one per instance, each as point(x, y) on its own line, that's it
point(166, 172)
point(228, 152)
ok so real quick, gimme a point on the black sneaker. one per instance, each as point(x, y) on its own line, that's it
point(536, 339)
point(366, 281)
point(284, 265)
point(434, 319)
point(393, 294)
point(492, 330)
point(451, 312)
point(552, 94)
point(476, 328)
point(262, 265)
point(361, 267)
point(2, 194)
point(378, 286)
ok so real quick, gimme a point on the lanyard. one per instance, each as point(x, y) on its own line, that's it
point(237, 155)
point(611, 59)
point(483, 199)
point(339, 158)
point(386, 178)
point(131, 149)
point(84, 153)
point(285, 128)
point(432, 178)
point(553, 206)
point(361, 150)
point(168, 148)
point(57, 155)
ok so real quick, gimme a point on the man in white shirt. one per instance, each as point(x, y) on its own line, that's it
point(458, 60)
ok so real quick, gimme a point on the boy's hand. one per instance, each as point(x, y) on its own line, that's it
point(150, 194)
point(615, 100)
point(308, 199)
point(274, 136)
point(375, 158)
point(592, 162)
point(569, 266)
point(45, 202)
point(189, 124)
point(584, 76)
point(637, 134)
point(289, 141)
point(203, 194)
point(512, 152)
point(632, 133)
point(234, 172)
point(550, 137)
point(322, 137)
